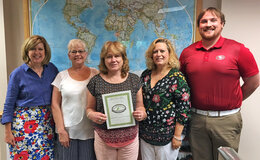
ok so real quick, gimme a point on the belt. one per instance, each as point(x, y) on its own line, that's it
point(215, 113)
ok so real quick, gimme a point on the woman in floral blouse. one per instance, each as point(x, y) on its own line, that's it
point(166, 98)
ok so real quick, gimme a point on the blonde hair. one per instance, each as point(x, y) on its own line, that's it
point(30, 43)
point(114, 47)
point(173, 58)
point(76, 42)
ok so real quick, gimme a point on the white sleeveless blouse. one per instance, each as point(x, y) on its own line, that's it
point(73, 105)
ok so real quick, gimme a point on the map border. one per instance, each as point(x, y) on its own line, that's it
point(27, 19)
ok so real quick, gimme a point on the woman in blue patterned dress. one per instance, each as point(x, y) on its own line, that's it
point(27, 114)
point(166, 100)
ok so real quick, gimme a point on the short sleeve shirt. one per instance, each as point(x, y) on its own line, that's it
point(98, 86)
point(74, 103)
point(214, 74)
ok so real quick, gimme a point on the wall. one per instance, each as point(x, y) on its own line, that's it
point(242, 24)
point(3, 70)
point(11, 39)
point(211, 3)
point(14, 29)
point(3, 79)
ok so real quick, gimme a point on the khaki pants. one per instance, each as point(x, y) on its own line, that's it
point(209, 133)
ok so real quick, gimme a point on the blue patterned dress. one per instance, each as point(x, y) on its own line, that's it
point(33, 129)
point(27, 108)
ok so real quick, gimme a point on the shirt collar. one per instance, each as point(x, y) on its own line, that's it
point(219, 44)
point(26, 67)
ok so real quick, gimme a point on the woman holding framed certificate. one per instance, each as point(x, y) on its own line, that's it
point(166, 100)
point(115, 102)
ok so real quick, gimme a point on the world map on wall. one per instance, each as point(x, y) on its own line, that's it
point(135, 23)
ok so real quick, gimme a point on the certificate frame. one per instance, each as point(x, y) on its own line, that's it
point(118, 107)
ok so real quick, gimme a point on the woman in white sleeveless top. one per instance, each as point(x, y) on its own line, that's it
point(74, 129)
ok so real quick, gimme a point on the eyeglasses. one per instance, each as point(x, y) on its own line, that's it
point(79, 51)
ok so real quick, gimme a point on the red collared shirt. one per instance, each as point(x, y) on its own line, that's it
point(213, 75)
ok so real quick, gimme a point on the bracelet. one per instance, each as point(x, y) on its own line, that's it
point(145, 116)
point(177, 138)
point(89, 113)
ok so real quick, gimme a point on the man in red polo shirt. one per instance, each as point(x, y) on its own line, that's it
point(213, 67)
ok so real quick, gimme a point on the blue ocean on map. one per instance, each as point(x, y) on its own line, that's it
point(47, 19)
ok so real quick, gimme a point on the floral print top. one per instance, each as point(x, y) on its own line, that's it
point(166, 103)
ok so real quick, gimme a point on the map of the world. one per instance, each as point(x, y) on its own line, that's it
point(135, 23)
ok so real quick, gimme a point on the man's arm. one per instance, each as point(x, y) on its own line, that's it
point(250, 85)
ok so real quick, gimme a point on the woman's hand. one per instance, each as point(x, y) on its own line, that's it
point(177, 137)
point(64, 138)
point(9, 137)
point(176, 142)
point(139, 115)
point(92, 114)
point(97, 117)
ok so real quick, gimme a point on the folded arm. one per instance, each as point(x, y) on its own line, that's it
point(250, 85)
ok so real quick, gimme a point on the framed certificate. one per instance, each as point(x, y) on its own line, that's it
point(118, 108)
